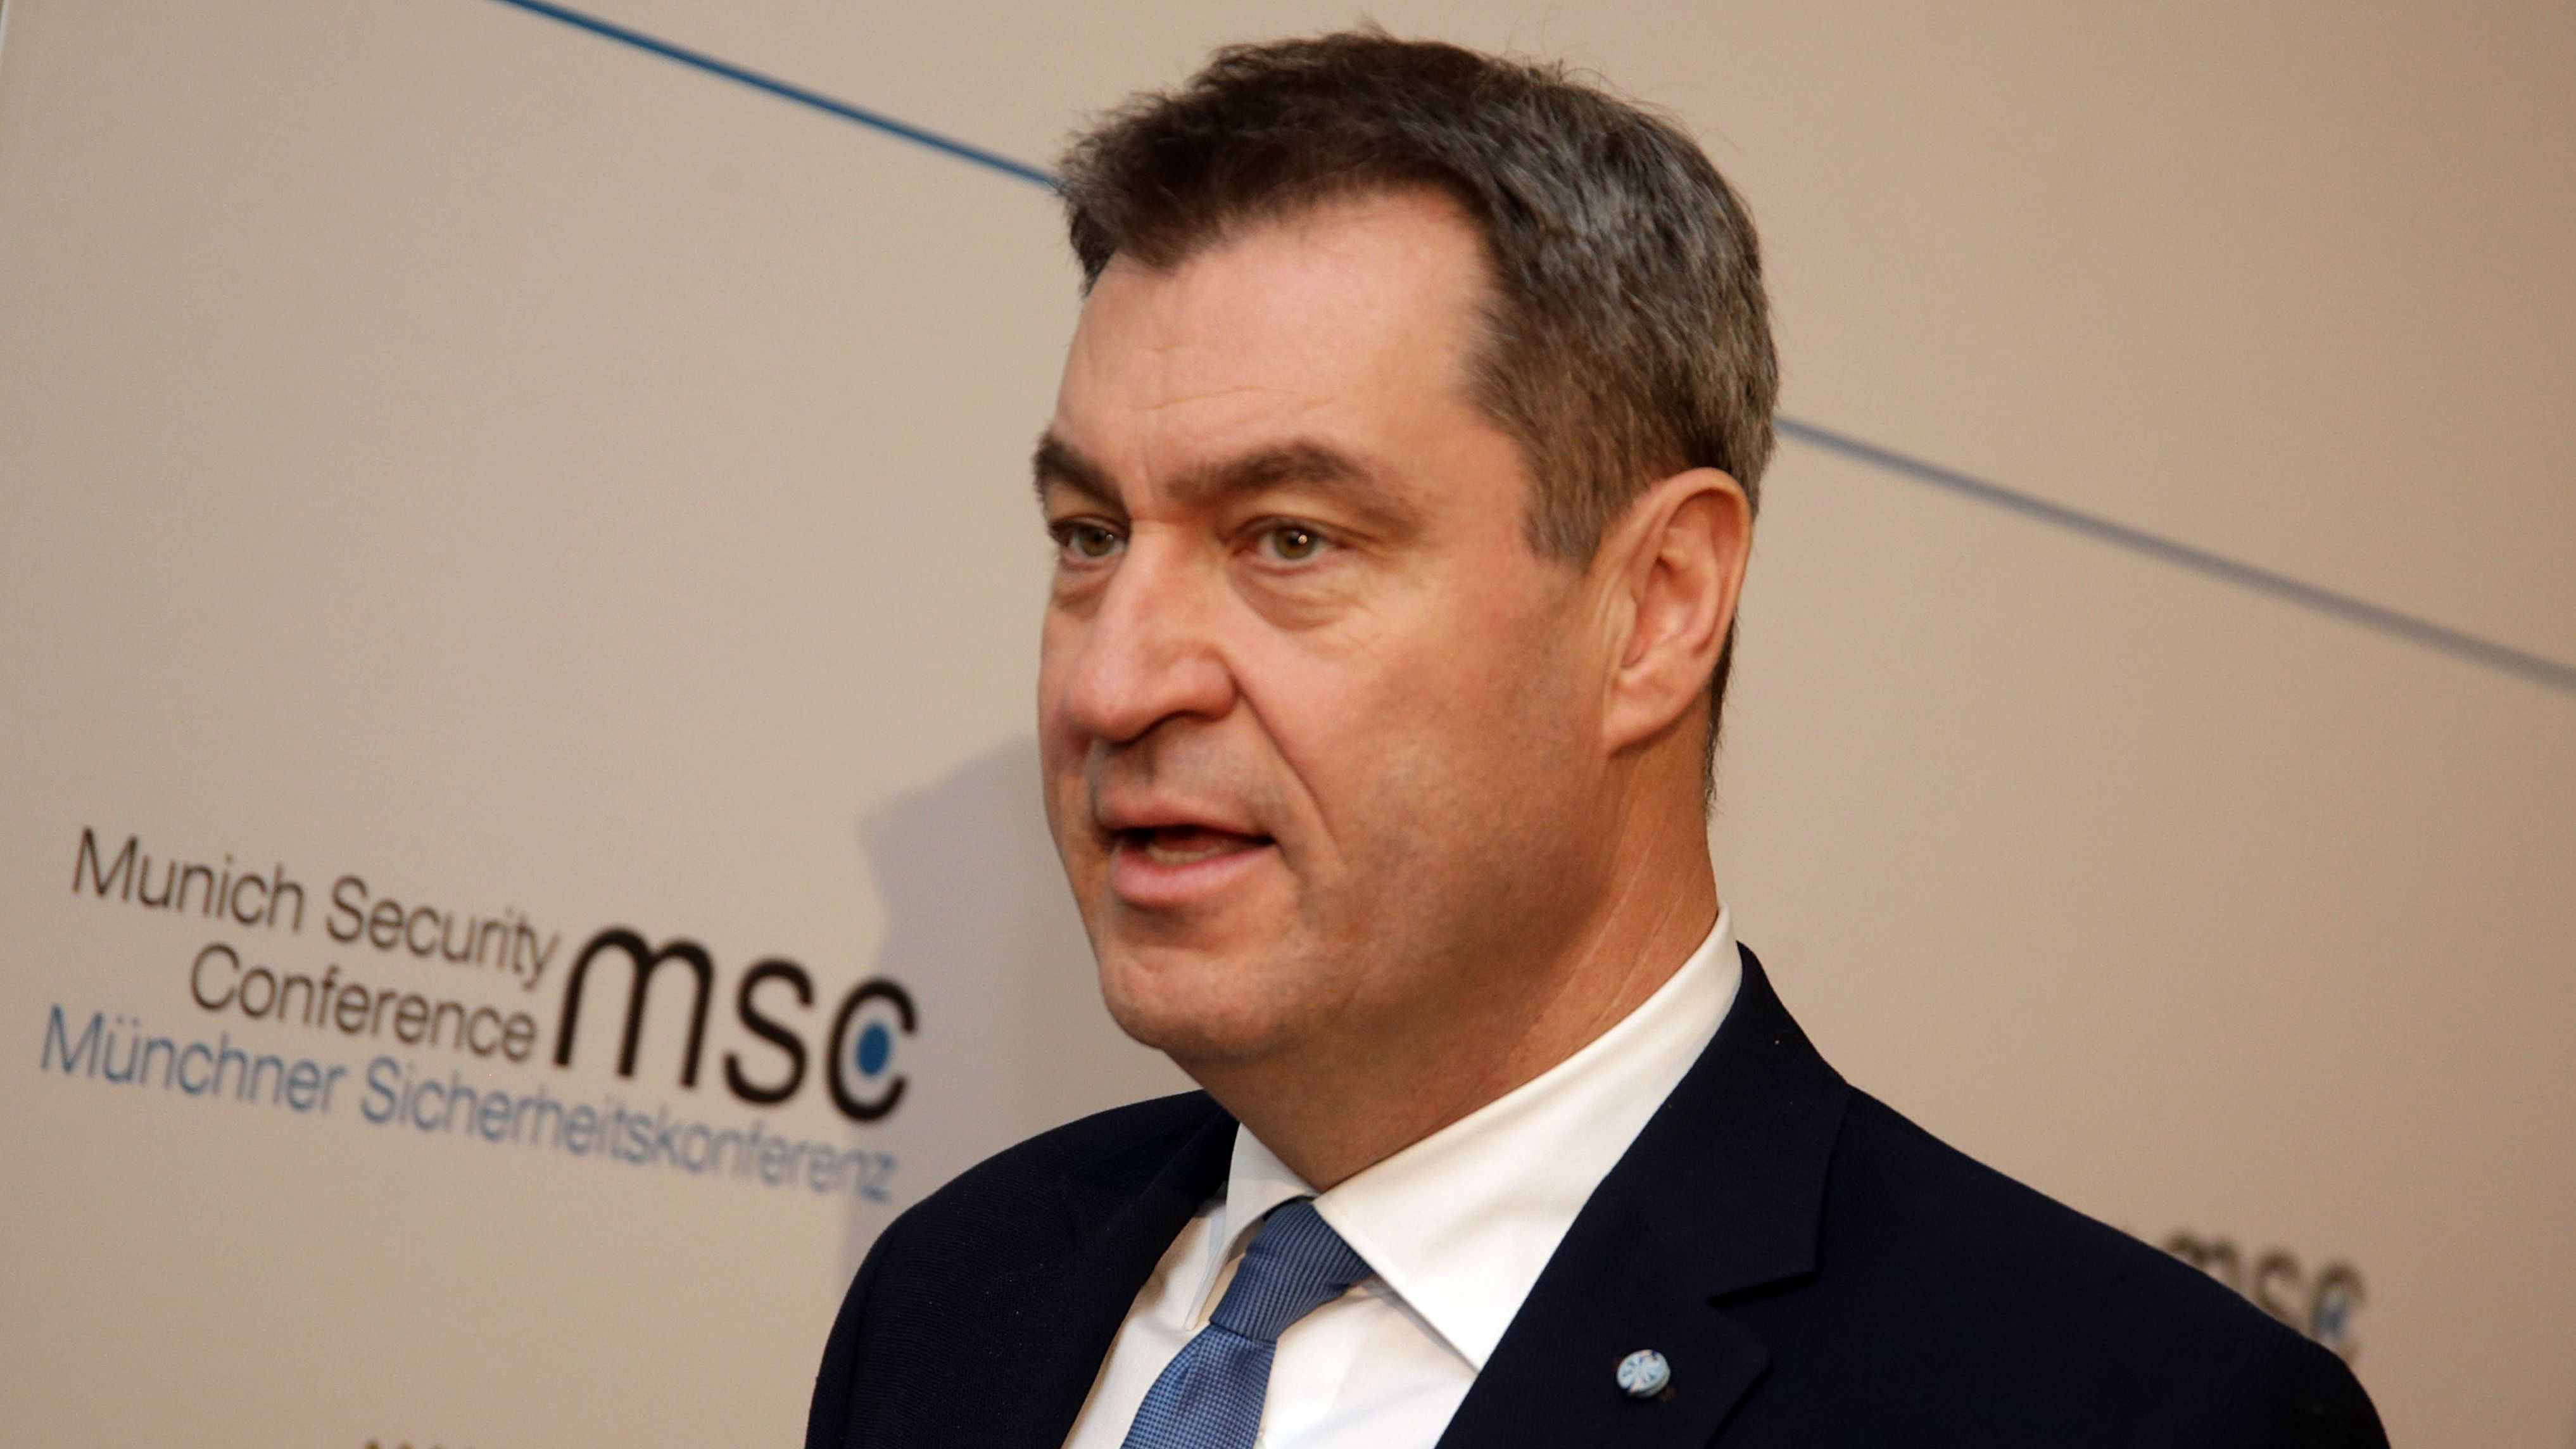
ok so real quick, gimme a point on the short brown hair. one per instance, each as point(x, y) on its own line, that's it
point(1628, 337)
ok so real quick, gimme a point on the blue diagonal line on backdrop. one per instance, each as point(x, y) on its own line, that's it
point(786, 91)
point(2468, 648)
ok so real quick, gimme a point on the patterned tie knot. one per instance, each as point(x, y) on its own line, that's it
point(1296, 1264)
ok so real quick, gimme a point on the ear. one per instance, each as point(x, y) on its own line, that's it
point(1675, 564)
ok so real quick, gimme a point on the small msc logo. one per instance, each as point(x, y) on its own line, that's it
point(2319, 1302)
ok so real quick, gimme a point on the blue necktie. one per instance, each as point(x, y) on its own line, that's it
point(1209, 1396)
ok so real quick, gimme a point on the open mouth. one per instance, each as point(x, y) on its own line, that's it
point(1186, 844)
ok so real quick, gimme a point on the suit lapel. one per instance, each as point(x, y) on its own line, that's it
point(1722, 1192)
point(1120, 1216)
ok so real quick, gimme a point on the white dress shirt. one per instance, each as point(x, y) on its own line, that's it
point(1456, 1228)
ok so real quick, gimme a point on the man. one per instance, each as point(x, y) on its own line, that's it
point(1402, 480)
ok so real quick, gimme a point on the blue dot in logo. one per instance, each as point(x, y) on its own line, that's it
point(876, 1047)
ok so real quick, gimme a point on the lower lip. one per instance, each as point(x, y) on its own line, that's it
point(1149, 884)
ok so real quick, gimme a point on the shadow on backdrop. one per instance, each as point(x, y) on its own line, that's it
point(977, 912)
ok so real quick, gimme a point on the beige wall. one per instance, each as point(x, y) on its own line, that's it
point(442, 446)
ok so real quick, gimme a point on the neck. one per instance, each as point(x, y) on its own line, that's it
point(1361, 1098)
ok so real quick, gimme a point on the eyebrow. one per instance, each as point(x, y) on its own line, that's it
point(1301, 462)
point(1060, 464)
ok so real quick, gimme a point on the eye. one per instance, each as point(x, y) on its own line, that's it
point(1291, 542)
point(1086, 540)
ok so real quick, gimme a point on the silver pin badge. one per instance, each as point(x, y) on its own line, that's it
point(1644, 1374)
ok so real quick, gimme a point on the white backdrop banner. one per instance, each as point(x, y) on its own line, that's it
point(518, 600)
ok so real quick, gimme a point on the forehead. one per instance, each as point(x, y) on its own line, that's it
point(1345, 322)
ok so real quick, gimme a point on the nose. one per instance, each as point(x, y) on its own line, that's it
point(1147, 649)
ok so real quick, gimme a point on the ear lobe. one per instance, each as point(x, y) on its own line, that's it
point(1685, 544)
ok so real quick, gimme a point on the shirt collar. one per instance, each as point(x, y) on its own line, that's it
point(1460, 1224)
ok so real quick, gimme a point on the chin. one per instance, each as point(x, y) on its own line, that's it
point(1194, 1006)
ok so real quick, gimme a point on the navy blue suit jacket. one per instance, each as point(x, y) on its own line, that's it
point(1817, 1270)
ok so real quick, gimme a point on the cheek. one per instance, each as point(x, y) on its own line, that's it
point(1419, 737)
point(1056, 642)
point(1062, 747)
point(1062, 788)
point(1488, 681)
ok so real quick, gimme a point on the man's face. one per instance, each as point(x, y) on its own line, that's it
point(1316, 719)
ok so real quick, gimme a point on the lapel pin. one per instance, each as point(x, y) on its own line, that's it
point(1644, 1374)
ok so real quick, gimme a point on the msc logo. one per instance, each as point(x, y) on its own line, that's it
point(858, 1047)
point(2320, 1304)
